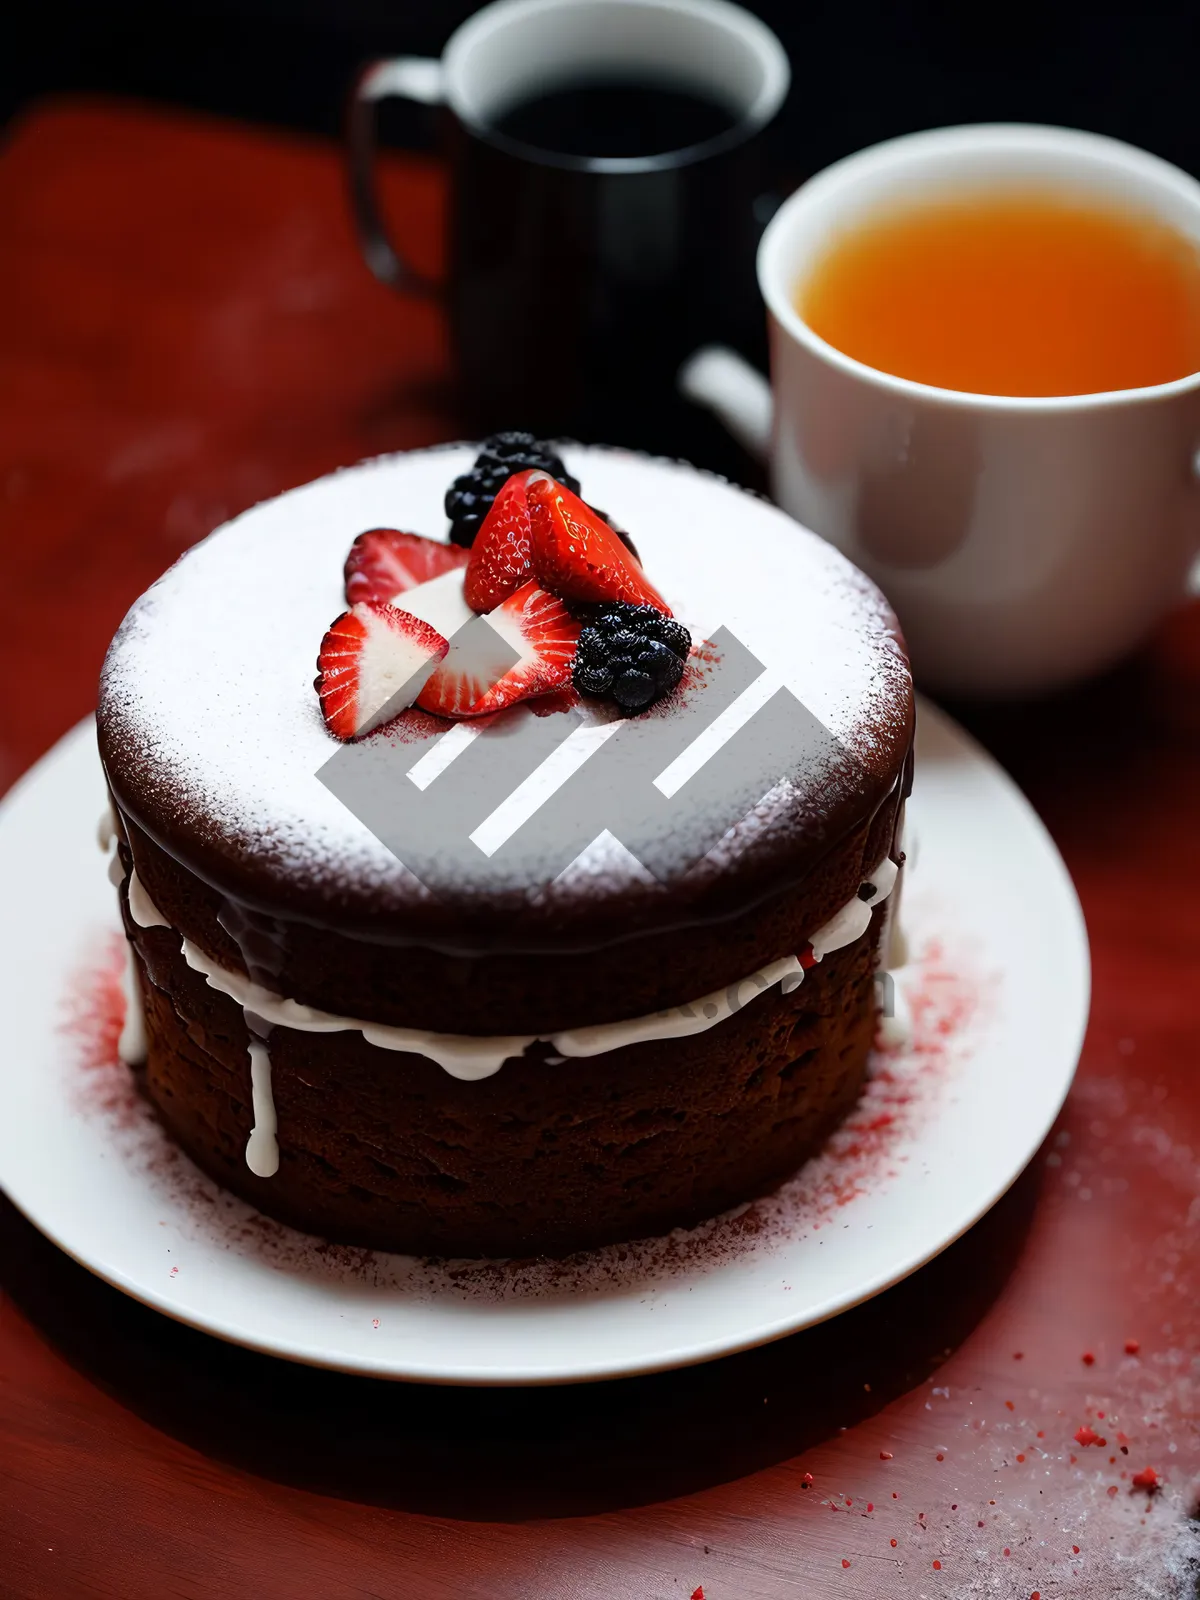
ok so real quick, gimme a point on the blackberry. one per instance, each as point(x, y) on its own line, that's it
point(469, 498)
point(633, 654)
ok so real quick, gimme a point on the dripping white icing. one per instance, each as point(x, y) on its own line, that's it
point(893, 943)
point(131, 1043)
point(852, 921)
point(262, 1147)
point(131, 1046)
point(895, 1015)
point(106, 828)
point(471, 1056)
point(141, 908)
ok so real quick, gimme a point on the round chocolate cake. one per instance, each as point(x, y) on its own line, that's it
point(552, 915)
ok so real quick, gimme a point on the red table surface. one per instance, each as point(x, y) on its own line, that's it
point(187, 329)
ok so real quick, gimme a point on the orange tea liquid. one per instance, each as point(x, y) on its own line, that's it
point(1013, 294)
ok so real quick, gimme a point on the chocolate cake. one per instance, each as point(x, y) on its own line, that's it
point(605, 964)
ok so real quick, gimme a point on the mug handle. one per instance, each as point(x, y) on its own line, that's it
point(737, 394)
point(410, 78)
point(725, 383)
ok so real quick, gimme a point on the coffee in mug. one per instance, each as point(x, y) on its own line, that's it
point(604, 163)
point(619, 119)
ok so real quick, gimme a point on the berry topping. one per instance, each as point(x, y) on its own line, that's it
point(478, 674)
point(577, 555)
point(383, 562)
point(469, 498)
point(371, 653)
point(634, 654)
point(499, 561)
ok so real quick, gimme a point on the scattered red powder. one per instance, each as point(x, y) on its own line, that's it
point(94, 1014)
point(870, 1507)
point(1074, 1549)
point(849, 1502)
point(1036, 1595)
point(698, 1593)
point(413, 726)
point(1132, 1347)
point(1088, 1359)
point(1010, 1405)
point(1112, 1490)
point(1020, 1458)
point(1147, 1478)
point(940, 1456)
point(806, 1480)
point(892, 1542)
point(1018, 1355)
point(545, 705)
point(845, 1563)
point(1100, 1415)
point(1086, 1436)
point(1007, 1551)
point(1041, 1433)
point(885, 1455)
point(937, 1566)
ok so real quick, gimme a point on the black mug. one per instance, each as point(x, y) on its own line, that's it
point(578, 283)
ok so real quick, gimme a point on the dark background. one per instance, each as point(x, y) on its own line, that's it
point(862, 72)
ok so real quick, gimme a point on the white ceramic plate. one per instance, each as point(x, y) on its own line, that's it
point(1000, 1013)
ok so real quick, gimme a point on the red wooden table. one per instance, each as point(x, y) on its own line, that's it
point(187, 329)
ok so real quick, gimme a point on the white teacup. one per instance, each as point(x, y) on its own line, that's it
point(1025, 542)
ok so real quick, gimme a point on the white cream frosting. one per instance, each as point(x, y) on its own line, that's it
point(470, 1056)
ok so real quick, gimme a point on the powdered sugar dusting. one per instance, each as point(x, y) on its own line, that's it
point(207, 697)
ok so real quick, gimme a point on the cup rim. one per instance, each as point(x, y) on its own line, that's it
point(960, 138)
point(777, 74)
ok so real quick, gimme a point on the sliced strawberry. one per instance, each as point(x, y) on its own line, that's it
point(369, 655)
point(383, 562)
point(476, 676)
point(499, 558)
point(578, 556)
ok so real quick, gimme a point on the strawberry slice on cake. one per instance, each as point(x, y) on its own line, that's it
point(577, 555)
point(478, 675)
point(385, 562)
point(374, 661)
point(500, 559)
